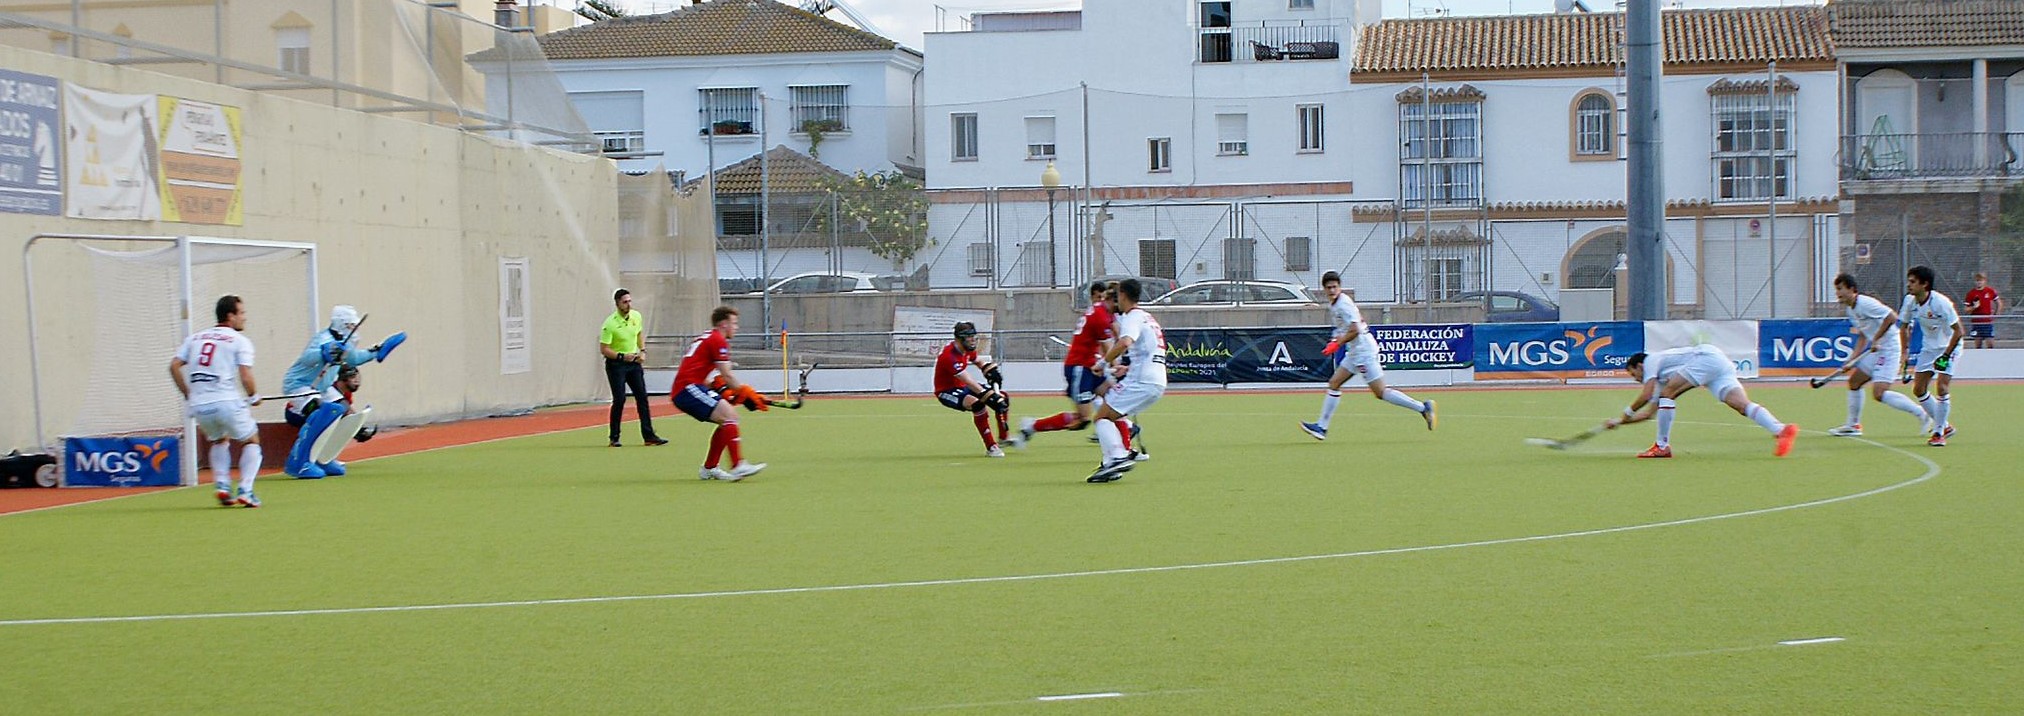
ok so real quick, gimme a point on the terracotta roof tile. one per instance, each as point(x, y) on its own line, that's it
point(789, 171)
point(719, 27)
point(1576, 41)
point(1926, 23)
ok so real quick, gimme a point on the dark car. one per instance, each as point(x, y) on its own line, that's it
point(1150, 287)
point(1513, 307)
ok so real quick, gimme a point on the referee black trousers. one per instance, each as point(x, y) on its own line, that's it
point(625, 375)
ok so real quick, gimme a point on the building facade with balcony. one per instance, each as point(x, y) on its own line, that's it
point(1497, 145)
point(1932, 120)
point(1190, 140)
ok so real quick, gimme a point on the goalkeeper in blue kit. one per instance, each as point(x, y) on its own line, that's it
point(329, 353)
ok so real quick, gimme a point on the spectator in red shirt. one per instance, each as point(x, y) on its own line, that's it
point(1983, 301)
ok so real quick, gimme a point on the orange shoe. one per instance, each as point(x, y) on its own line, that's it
point(1785, 439)
point(1937, 440)
point(1657, 451)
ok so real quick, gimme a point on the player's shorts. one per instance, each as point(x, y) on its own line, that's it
point(1881, 366)
point(1360, 359)
point(1925, 362)
point(1082, 383)
point(1713, 371)
point(1982, 330)
point(696, 402)
point(953, 398)
point(224, 420)
point(1132, 397)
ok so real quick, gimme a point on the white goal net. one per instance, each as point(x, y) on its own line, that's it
point(106, 314)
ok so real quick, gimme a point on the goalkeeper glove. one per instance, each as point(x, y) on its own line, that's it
point(333, 352)
point(1944, 363)
point(991, 374)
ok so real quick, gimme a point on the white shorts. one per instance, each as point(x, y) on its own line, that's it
point(1881, 366)
point(1360, 359)
point(1925, 362)
point(225, 420)
point(1712, 371)
point(1132, 397)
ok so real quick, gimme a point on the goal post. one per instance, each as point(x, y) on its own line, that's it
point(106, 314)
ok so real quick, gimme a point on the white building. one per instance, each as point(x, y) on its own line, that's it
point(1173, 114)
point(1513, 157)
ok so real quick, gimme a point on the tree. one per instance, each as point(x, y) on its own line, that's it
point(888, 207)
point(599, 10)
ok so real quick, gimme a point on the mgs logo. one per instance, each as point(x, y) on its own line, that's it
point(1556, 352)
point(124, 466)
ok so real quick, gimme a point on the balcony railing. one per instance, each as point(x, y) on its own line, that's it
point(1944, 155)
point(1271, 41)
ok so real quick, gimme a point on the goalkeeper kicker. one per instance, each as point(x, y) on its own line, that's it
point(331, 359)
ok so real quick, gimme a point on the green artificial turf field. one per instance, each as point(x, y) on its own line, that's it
point(883, 565)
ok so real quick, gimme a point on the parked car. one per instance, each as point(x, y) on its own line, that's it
point(1514, 307)
point(1153, 286)
point(823, 282)
point(1233, 293)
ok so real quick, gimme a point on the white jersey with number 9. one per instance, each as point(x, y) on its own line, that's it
point(211, 360)
point(1148, 351)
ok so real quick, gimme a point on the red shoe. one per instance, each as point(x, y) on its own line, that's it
point(1657, 451)
point(1947, 432)
point(1937, 440)
point(225, 498)
point(1785, 439)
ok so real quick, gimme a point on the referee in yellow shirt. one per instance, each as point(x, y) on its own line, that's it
point(619, 341)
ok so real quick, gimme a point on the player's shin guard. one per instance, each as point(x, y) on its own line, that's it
point(1927, 404)
point(221, 464)
point(1328, 404)
point(1902, 402)
point(1124, 432)
point(249, 467)
point(734, 443)
point(983, 421)
point(1004, 430)
point(1854, 406)
point(1057, 421)
point(1402, 400)
point(1764, 419)
point(1946, 408)
point(1107, 436)
point(298, 463)
point(1665, 421)
point(719, 440)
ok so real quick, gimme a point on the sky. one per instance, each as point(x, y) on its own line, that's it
point(907, 20)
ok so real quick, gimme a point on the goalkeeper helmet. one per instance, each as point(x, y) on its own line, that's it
point(343, 319)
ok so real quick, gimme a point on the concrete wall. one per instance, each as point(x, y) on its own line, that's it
point(410, 221)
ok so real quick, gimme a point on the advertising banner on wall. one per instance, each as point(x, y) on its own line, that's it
point(109, 145)
point(515, 353)
point(923, 330)
point(1530, 351)
point(199, 162)
point(122, 462)
point(1263, 355)
point(31, 168)
point(1805, 346)
point(1425, 346)
point(1736, 339)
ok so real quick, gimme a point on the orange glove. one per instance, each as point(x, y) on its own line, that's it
point(1333, 346)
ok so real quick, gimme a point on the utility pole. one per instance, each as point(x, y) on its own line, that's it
point(1643, 48)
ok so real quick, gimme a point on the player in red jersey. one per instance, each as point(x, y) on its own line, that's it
point(1082, 368)
point(708, 354)
point(958, 391)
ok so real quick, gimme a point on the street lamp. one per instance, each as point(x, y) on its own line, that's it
point(1050, 178)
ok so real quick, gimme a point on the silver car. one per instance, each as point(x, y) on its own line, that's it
point(1236, 293)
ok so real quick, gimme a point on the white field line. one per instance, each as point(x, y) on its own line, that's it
point(1932, 470)
point(1756, 647)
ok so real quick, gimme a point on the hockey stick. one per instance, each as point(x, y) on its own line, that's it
point(345, 341)
point(1820, 381)
point(1552, 444)
point(800, 395)
point(1057, 341)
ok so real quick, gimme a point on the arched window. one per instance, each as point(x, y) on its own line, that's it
point(1594, 126)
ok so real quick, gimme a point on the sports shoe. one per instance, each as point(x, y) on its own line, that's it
point(247, 498)
point(225, 495)
point(1937, 440)
point(1111, 470)
point(717, 473)
point(1026, 432)
point(994, 451)
point(1947, 432)
point(745, 469)
point(1314, 431)
point(1432, 420)
point(1139, 456)
point(1785, 439)
point(308, 471)
point(1851, 430)
point(656, 442)
point(615, 442)
point(1657, 451)
point(332, 468)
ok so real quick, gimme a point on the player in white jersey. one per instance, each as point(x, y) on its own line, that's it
point(214, 372)
point(1879, 352)
point(1670, 373)
point(1357, 357)
point(1940, 332)
point(1142, 379)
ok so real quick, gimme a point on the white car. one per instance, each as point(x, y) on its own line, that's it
point(846, 282)
point(1236, 293)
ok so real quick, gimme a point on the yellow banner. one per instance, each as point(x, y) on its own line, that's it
point(200, 166)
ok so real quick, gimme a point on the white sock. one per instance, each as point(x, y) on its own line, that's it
point(1665, 420)
point(1765, 419)
point(249, 466)
point(221, 464)
point(1946, 409)
point(1328, 408)
point(1926, 404)
point(1402, 400)
point(1902, 402)
point(1106, 436)
point(1854, 407)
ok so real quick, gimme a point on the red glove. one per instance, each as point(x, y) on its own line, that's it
point(1333, 346)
